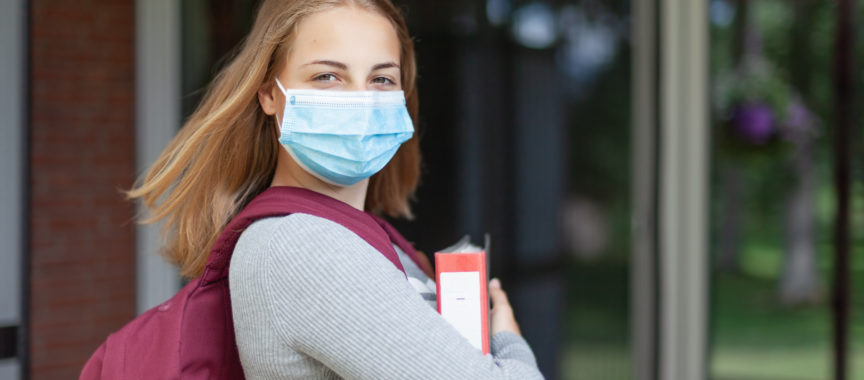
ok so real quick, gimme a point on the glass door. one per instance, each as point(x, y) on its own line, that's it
point(774, 121)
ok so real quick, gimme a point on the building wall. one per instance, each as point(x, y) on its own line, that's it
point(82, 154)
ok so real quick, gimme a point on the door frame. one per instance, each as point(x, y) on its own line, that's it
point(669, 275)
point(14, 196)
point(157, 109)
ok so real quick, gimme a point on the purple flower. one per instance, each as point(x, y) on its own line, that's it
point(754, 123)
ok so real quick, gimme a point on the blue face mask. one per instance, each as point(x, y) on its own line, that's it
point(343, 137)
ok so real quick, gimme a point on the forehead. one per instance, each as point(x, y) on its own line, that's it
point(345, 33)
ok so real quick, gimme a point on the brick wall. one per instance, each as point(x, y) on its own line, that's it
point(82, 154)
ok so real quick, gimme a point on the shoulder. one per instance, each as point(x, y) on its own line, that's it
point(304, 240)
point(285, 259)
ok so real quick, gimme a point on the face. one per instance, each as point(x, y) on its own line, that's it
point(344, 49)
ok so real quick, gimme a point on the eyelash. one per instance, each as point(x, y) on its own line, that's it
point(320, 77)
point(387, 81)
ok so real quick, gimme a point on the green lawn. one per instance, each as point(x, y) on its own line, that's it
point(752, 336)
point(756, 338)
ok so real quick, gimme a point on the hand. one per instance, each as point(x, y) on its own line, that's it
point(501, 314)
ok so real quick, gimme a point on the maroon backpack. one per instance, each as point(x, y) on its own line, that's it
point(191, 336)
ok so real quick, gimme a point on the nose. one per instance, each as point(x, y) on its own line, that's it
point(356, 86)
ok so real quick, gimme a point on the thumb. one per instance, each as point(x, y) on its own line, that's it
point(498, 295)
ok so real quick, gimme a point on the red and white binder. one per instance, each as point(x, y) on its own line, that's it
point(460, 278)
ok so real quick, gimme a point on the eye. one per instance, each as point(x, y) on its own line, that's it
point(383, 80)
point(328, 77)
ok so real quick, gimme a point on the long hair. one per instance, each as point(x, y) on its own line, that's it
point(226, 152)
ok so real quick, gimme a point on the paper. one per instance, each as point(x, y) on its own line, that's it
point(460, 304)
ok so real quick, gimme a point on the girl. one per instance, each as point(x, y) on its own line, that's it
point(319, 98)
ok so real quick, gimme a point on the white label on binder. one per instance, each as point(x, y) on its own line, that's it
point(460, 304)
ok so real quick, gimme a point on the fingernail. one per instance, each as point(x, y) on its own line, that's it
point(495, 283)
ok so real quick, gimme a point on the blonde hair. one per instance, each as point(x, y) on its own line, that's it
point(226, 152)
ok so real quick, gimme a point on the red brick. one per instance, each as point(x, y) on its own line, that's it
point(82, 152)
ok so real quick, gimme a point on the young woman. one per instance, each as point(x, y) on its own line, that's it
point(311, 299)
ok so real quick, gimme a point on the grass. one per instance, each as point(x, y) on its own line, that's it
point(756, 338)
point(752, 336)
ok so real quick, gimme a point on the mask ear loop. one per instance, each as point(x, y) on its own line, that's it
point(284, 93)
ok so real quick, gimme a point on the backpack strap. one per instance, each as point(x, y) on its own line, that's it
point(284, 200)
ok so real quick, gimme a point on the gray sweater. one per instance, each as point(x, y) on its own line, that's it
point(312, 300)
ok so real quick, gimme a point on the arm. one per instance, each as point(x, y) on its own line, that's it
point(338, 300)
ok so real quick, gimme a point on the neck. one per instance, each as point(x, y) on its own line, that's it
point(288, 173)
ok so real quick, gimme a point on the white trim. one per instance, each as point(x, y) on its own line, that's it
point(157, 94)
point(684, 130)
point(10, 369)
point(11, 158)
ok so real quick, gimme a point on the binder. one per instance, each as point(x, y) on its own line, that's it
point(461, 280)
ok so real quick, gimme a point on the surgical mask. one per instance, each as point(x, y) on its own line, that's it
point(343, 137)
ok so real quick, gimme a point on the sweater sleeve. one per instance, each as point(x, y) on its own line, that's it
point(333, 297)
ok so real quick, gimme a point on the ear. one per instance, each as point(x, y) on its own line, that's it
point(267, 98)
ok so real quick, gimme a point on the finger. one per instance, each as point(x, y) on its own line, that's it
point(498, 295)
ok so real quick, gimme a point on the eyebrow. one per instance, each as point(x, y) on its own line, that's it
point(387, 65)
point(338, 65)
point(342, 66)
